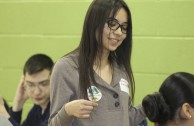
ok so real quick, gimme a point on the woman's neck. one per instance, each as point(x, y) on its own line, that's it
point(103, 67)
point(104, 58)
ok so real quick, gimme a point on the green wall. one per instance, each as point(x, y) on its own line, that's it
point(163, 36)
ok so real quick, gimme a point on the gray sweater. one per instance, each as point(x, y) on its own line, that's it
point(4, 121)
point(113, 108)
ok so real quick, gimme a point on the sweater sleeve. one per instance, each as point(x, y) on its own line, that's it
point(64, 81)
point(16, 116)
point(136, 115)
point(4, 121)
point(13, 122)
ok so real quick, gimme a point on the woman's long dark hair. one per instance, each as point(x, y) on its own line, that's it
point(164, 105)
point(90, 49)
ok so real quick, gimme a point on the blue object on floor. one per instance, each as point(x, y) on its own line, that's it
point(143, 123)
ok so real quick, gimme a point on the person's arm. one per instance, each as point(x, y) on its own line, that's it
point(20, 97)
point(32, 117)
point(65, 102)
point(16, 116)
point(136, 115)
point(4, 112)
point(19, 100)
point(13, 122)
point(61, 93)
point(4, 121)
point(35, 117)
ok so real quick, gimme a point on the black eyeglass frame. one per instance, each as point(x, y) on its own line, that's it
point(122, 26)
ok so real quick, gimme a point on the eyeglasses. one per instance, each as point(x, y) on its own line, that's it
point(113, 24)
point(42, 85)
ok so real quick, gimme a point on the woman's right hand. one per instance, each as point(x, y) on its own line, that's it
point(80, 108)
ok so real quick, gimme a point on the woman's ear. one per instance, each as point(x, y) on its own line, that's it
point(186, 110)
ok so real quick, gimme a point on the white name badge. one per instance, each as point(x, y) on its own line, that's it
point(97, 95)
point(124, 85)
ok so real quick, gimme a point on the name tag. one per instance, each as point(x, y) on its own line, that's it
point(124, 85)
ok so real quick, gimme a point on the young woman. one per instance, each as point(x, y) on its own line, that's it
point(173, 105)
point(93, 85)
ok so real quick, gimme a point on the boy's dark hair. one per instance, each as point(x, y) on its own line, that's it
point(37, 63)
